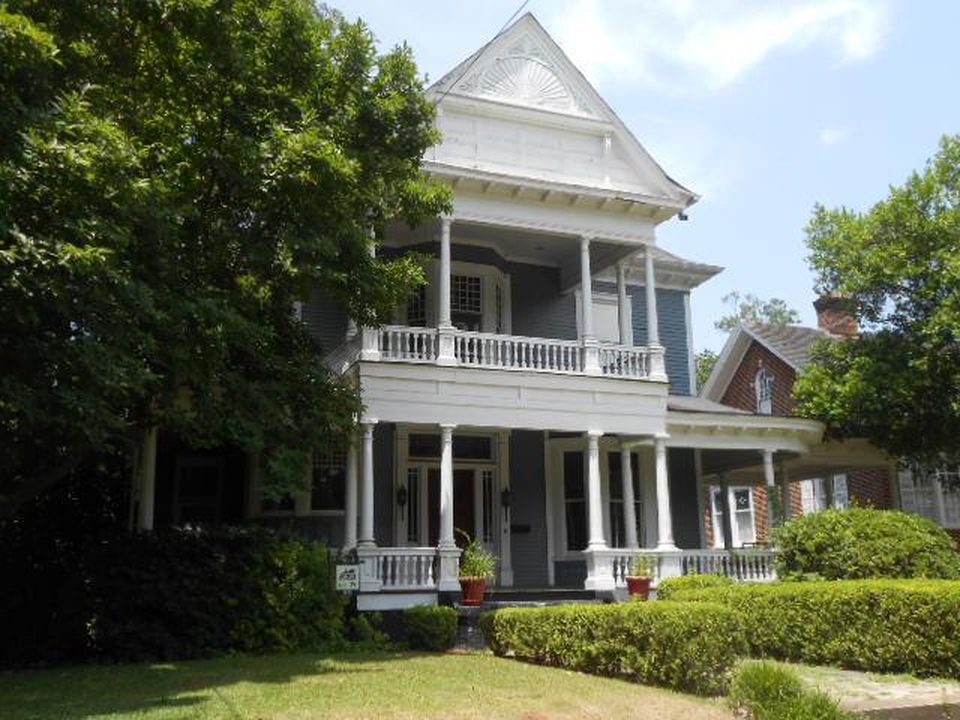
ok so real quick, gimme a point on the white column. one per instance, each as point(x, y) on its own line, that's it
point(367, 538)
point(446, 352)
point(622, 301)
point(591, 353)
point(350, 501)
point(594, 497)
point(443, 306)
point(629, 506)
point(446, 539)
point(664, 517)
point(657, 365)
point(586, 290)
point(771, 481)
point(148, 478)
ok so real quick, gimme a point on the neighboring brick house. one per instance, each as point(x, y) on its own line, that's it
point(755, 372)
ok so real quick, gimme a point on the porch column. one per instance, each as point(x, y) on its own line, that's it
point(657, 366)
point(591, 353)
point(629, 506)
point(369, 336)
point(785, 500)
point(622, 301)
point(367, 538)
point(350, 500)
point(771, 481)
point(727, 518)
point(446, 539)
point(664, 518)
point(445, 351)
point(148, 478)
point(599, 561)
point(447, 550)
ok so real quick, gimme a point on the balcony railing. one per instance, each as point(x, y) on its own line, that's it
point(744, 565)
point(399, 343)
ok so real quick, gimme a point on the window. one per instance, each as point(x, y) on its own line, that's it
point(820, 493)
point(465, 447)
point(486, 477)
point(329, 477)
point(763, 385)
point(466, 294)
point(413, 505)
point(574, 500)
point(417, 308)
point(742, 528)
point(618, 535)
point(606, 318)
point(927, 493)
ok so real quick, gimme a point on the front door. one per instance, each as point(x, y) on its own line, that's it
point(464, 504)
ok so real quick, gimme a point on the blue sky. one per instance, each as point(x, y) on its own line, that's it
point(761, 108)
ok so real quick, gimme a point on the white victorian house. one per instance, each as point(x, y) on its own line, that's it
point(539, 393)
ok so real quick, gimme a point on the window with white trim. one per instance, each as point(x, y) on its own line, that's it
point(925, 492)
point(742, 528)
point(820, 493)
point(329, 477)
point(763, 387)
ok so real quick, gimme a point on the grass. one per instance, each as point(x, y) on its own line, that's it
point(304, 687)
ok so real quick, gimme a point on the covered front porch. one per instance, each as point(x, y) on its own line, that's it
point(559, 509)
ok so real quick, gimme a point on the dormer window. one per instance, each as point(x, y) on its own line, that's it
point(763, 387)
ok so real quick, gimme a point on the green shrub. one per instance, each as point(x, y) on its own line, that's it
point(430, 628)
point(907, 626)
point(861, 543)
point(688, 647)
point(669, 586)
point(772, 692)
point(192, 593)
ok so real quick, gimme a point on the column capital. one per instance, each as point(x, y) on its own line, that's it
point(585, 241)
point(448, 427)
point(767, 453)
point(594, 433)
point(368, 423)
point(447, 219)
point(661, 436)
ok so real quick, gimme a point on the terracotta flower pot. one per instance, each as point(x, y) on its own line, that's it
point(639, 586)
point(472, 591)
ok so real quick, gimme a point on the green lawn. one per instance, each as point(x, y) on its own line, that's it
point(377, 685)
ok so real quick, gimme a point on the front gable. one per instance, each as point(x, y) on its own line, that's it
point(518, 108)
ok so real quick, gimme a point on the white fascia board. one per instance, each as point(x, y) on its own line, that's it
point(721, 431)
point(726, 366)
point(477, 397)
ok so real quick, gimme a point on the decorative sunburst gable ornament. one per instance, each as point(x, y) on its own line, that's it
point(525, 74)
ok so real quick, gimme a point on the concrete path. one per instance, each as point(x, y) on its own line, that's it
point(893, 697)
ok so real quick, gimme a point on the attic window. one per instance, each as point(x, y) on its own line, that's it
point(763, 386)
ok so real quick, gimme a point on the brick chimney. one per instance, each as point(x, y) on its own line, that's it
point(836, 316)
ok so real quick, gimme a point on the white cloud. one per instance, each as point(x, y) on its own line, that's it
point(689, 46)
point(833, 135)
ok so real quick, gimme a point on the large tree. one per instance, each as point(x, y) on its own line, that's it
point(749, 308)
point(898, 266)
point(174, 176)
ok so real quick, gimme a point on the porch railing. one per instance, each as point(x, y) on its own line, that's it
point(743, 565)
point(515, 352)
point(399, 568)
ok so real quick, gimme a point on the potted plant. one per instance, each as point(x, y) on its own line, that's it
point(476, 565)
point(640, 577)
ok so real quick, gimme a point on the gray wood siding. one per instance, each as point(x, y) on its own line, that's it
point(326, 321)
point(528, 509)
point(539, 309)
point(672, 317)
point(683, 498)
point(384, 436)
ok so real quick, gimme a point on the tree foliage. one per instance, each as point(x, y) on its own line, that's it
point(898, 383)
point(750, 309)
point(706, 360)
point(174, 176)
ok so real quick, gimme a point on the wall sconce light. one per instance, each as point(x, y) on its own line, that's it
point(402, 496)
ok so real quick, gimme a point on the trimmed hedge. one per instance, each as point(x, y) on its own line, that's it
point(772, 692)
point(684, 646)
point(430, 628)
point(861, 543)
point(908, 626)
point(670, 586)
point(191, 593)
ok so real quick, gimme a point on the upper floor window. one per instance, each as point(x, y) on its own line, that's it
point(417, 308)
point(763, 386)
point(466, 302)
